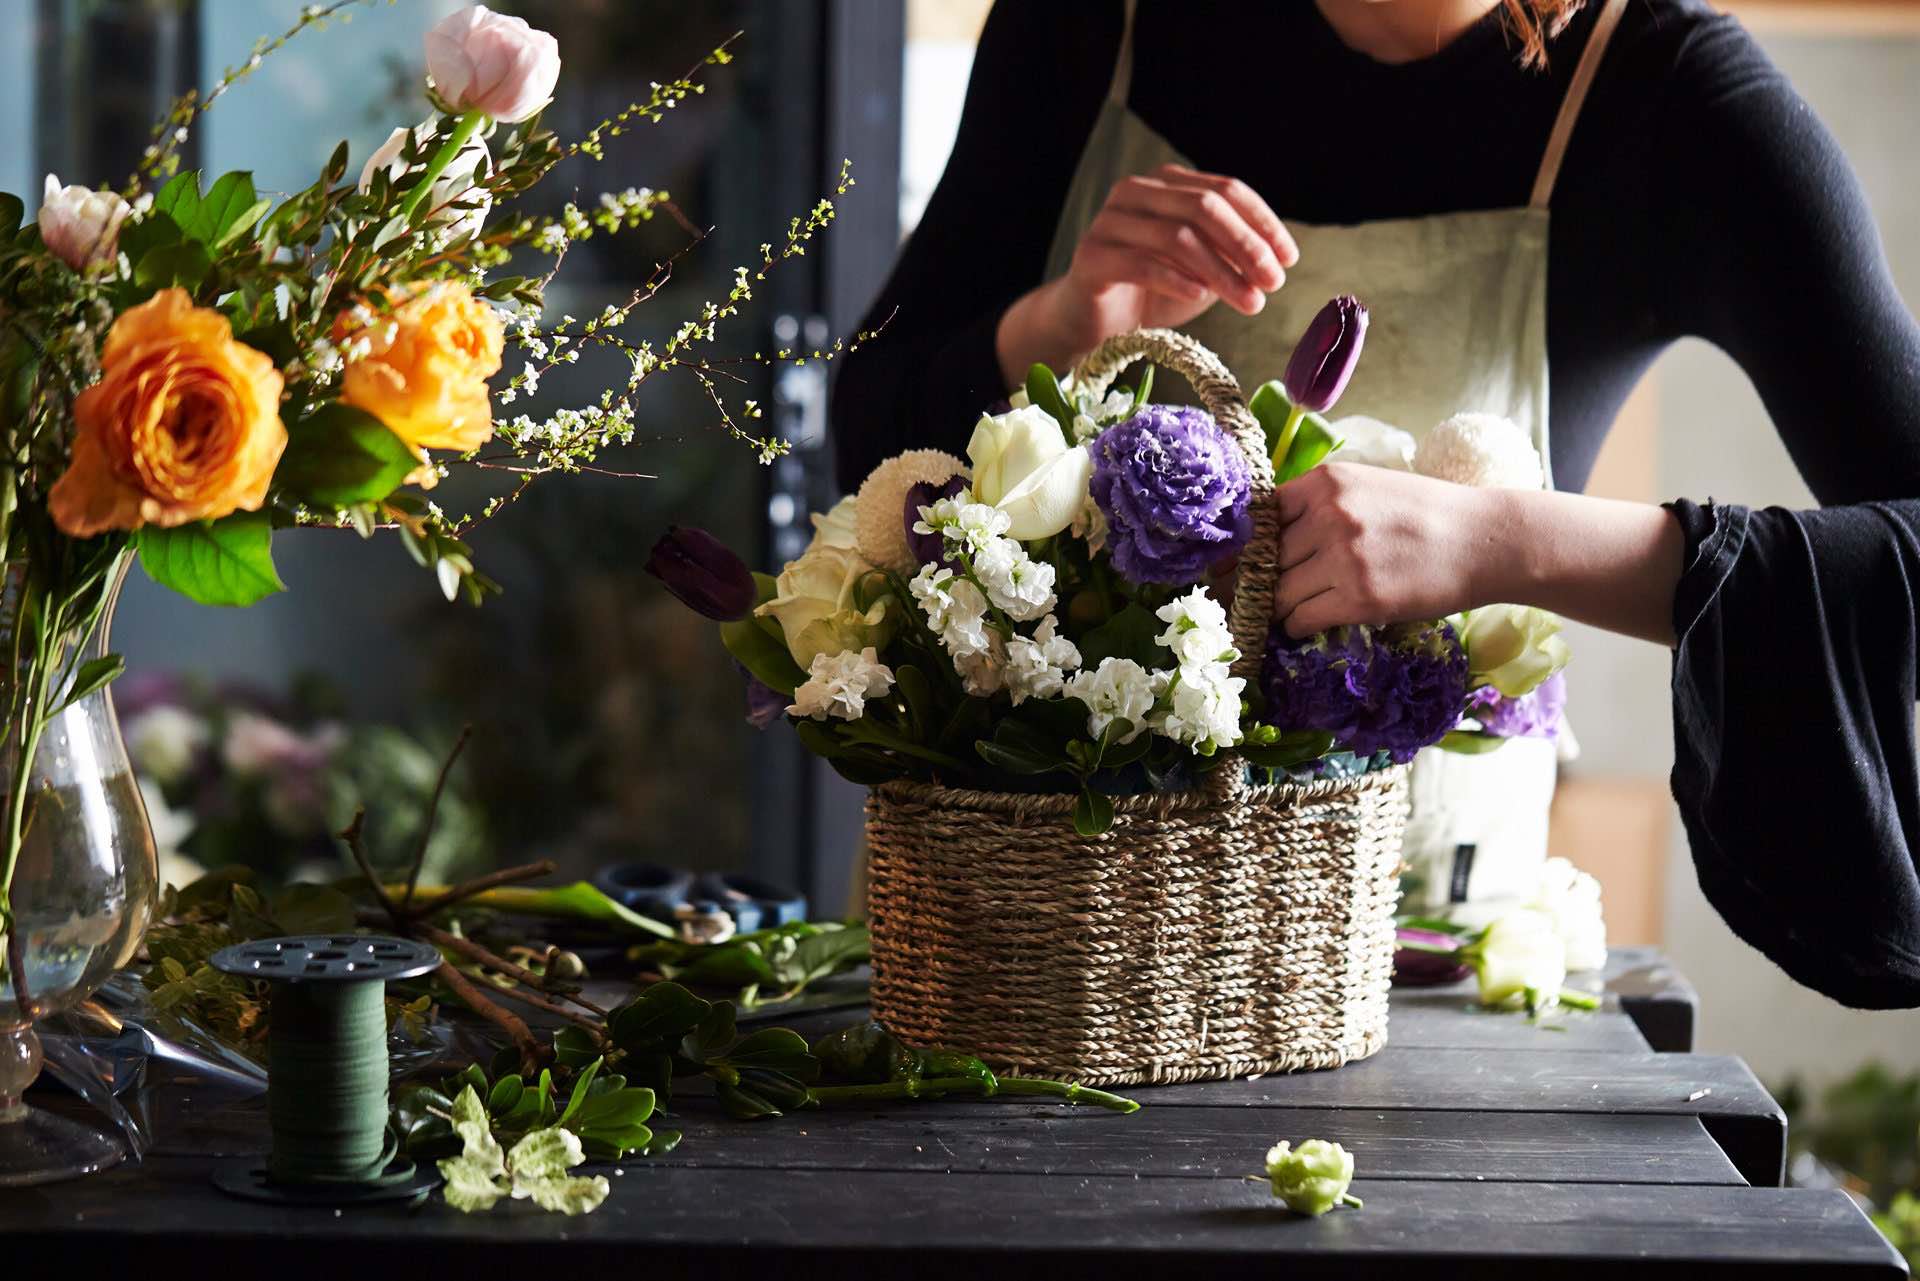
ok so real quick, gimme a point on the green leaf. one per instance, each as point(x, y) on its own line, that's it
point(180, 198)
point(1043, 389)
point(778, 1049)
point(243, 223)
point(138, 239)
point(1313, 440)
point(1016, 760)
point(1468, 743)
point(12, 210)
point(1092, 813)
point(221, 562)
point(313, 909)
point(1131, 633)
point(863, 773)
point(579, 901)
point(185, 264)
point(1142, 392)
point(1295, 747)
point(662, 1142)
point(662, 1014)
point(1271, 407)
point(338, 456)
point(712, 1036)
point(743, 1104)
point(574, 1048)
point(767, 658)
point(505, 1095)
point(917, 692)
point(828, 952)
point(544, 1154)
point(473, 1182)
point(619, 1110)
point(93, 675)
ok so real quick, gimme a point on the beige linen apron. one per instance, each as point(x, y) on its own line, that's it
point(1458, 322)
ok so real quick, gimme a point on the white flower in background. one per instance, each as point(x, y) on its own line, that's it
point(163, 742)
point(258, 745)
point(1201, 707)
point(1119, 689)
point(1084, 429)
point(1570, 898)
point(983, 672)
point(171, 828)
point(1023, 466)
point(480, 60)
point(1015, 582)
point(1370, 441)
point(839, 685)
point(880, 515)
point(836, 527)
point(1037, 665)
point(1197, 631)
point(815, 604)
point(1090, 526)
point(459, 181)
point(1520, 957)
point(81, 226)
point(1511, 647)
point(1485, 450)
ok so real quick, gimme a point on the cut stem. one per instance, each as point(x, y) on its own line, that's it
point(469, 124)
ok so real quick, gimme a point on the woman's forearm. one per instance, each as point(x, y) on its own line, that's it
point(1604, 562)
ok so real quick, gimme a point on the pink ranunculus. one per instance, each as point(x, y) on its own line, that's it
point(81, 226)
point(486, 61)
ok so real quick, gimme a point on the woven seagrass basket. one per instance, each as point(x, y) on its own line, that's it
point(1218, 932)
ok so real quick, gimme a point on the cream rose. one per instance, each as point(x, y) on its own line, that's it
point(1511, 647)
point(486, 61)
point(814, 603)
point(1023, 466)
point(81, 226)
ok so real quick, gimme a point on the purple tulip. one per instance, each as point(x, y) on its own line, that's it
point(1417, 966)
point(1323, 361)
point(928, 549)
point(765, 705)
point(704, 573)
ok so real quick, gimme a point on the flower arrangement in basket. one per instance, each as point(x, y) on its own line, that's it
point(1122, 827)
point(189, 367)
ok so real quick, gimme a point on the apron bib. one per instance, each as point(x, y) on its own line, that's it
point(1458, 321)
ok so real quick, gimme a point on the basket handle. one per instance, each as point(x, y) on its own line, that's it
point(1221, 396)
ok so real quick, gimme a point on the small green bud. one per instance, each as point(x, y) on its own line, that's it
point(1312, 1179)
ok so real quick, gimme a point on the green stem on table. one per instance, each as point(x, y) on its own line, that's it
point(1287, 432)
point(934, 1087)
point(1352, 1202)
point(1579, 1000)
point(469, 124)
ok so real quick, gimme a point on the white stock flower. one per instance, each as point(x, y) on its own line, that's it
point(983, 672)
point(839, 685)
point(1520, 956)
point(1570, 898)
point(163, 741)
point(81, 226)
point(955, 609)
point(485, 61)
point(1015, 582)
point(1119, 689)
point(1037, 665)
point(1023, 466)
point(1484, 450)
point(974, 526)
point(459, 181)
point(1202, 709)
point(1197, 631)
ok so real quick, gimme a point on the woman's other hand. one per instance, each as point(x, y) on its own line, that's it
point(1163, 248)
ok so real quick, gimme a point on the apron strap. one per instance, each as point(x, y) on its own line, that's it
point(1123, 61)
point(1590, 60)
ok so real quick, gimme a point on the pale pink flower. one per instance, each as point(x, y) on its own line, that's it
point(79, 225)
point(486, 61)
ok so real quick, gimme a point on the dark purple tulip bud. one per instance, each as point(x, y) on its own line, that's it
point(1415, 965)
point(1323, 362)
point(704, 573)
point(765, 705)
point(928, 549)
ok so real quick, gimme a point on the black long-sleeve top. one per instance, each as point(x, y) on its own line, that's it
point(1699, 197)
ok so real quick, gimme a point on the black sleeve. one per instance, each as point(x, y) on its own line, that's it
point(1039, 76)
point(1773, 256)
point(1794, 757)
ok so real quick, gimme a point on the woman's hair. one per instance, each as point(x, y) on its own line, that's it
point(1534, 22)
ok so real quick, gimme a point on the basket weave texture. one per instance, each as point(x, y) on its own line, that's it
point(1218, 932)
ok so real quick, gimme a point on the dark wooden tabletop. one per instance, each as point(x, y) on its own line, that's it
point(1485, 1146)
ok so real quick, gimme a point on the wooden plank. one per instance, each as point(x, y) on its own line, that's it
point(675, 1221)
point(1657, 997)
point(1012, 1138)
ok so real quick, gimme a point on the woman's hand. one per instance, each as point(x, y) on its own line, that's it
point(1362, 544)
point(1165, 247)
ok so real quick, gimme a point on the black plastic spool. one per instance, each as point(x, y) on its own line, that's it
point(321, 961)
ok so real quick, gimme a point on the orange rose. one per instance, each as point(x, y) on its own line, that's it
point(425, 375)
point(184, 424)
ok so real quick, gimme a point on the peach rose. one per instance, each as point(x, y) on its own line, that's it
point(425, 373)
point(183, 425)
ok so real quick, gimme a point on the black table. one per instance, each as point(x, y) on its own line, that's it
point(1486, 1146)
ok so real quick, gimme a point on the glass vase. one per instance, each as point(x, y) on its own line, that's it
point(83, 878)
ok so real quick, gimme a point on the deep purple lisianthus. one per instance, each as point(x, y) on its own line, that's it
point(1532, 715)
point(1173, 487)
point(928, 549)
point(1393, 689)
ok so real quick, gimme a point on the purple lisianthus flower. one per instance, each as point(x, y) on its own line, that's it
point(1393, 689)
point(928, 549)
point(1173, 487)
point(1535, 714)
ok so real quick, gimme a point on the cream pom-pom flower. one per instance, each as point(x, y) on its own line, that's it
point(879, 518)
point(1484, 450)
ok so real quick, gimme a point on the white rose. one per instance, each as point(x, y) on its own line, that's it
point(814, 604)
point(81, 226)
point(163, 742)
point(1520, 954)
point(486, 61)
point(837, 527)
point(458, 181)
point(1370, 441)
point(1511, 647)
point(1022, 465)
point(1570, 898)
